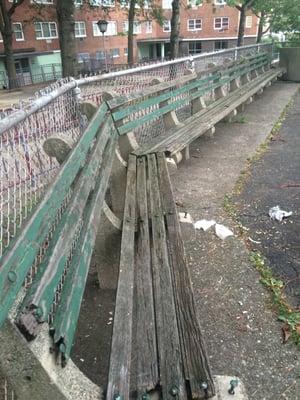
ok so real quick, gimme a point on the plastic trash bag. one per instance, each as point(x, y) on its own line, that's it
point(222, 232)
point(278, 214)
point(204, 224)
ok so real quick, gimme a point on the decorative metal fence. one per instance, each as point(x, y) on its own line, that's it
point(25, 169)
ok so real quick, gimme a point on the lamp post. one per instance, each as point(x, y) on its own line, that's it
point(102, 25)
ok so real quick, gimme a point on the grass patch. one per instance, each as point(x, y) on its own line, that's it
point(285, 313)
point(239, 119)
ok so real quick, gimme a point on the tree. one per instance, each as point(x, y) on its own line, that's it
point(243, 6)
point(66, 27)
point(175, 29)
point(6, 29)
point(131, 16)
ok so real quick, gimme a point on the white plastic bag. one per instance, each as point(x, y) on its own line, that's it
point(278, 214)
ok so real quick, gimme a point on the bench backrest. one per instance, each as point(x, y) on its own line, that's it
point(65, 223)
point(164, 98)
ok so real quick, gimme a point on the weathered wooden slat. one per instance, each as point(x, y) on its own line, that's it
point(156, 99)
point(146, 355)
point(197, 369)
point(66, 316)
point(120, 356)
point(178, 139)
point(19, 258)
point(40, 296)
point(169, 352)
point(123, 101)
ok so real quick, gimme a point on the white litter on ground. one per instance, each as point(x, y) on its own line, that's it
point(278, 214)
point(204, 224)
point(222, 232)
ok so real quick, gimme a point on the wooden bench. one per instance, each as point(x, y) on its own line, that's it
point(157, 345)
point(43, 273)
point(157, 348)
point(231, 86)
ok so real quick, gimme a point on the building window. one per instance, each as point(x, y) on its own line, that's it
point(167, 26)
point(195, 47)
point(167, 4)
point(249, 21)
point(78, 3)
point(100, 55)
point(18, 31)
point(220, 2)
point(148, 26)
point(137, 27)
point(194, 24)
point(114, 53)
point(104, 3)
point(45, 30)
point(83, 57)
point(222, 23)
point(221, 45)
point(125, 51)
point(111, 29)
point(80, 30)
point(194, 3)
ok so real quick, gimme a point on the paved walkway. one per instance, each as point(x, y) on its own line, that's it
point(242, 333)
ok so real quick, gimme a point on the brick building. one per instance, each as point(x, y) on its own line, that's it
point(204, 27)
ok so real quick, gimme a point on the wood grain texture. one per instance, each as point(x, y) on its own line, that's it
point(120, 356)
point(196, 366)
point(146, 354)
point(169, 351)
point(20, 256)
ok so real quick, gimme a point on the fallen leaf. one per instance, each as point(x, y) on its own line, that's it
point(286, 333)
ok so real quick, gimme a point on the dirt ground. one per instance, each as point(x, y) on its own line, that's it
point(241, 331)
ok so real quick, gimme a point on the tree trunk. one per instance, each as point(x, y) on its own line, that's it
point(175, 28)
point(9, 59)
point(240, 40)
point(66, 27)
point(131, 15)
point(260, 27)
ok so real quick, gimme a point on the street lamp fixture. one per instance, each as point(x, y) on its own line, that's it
point(102, 25)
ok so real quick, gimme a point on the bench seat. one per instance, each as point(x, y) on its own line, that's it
point(190, 129)
point(157, 343)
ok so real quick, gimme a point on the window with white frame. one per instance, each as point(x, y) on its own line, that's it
point(114, 53)
point(167, 26)
point(222, 23)
point(248, 22)
point(220, 2)
point(194, 24)
point(148, 26)
point(194, 3)
point(137, 27)
point(18, 31)
point(195, 47)
point(125, 51)
point(78, 3)
point(80, 29)
point(167, 4)
point(45, 30)
point(111, 29)
point(1, 38)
